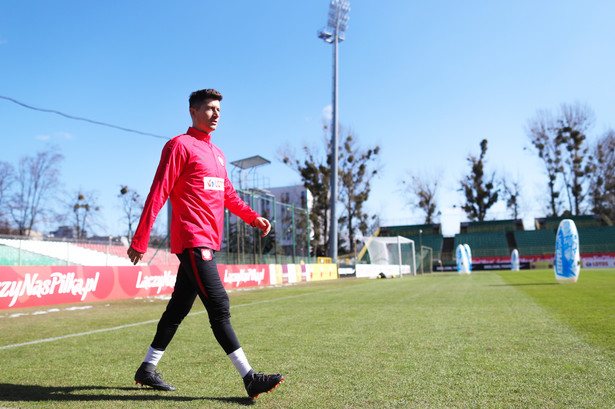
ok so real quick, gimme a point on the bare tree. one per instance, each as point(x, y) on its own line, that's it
point(602, 191)
point(561, 144)
point(36, 181)
point(421, 194)
point(7, 177)
point(84, 209)
point(480, 192)
point(542, 133)
point(132, 205)
point(511, 192)
point(574, 122)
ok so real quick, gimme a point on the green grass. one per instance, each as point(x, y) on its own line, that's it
point(588, 306)
point(489, 340)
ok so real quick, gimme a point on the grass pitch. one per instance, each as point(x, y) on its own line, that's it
point(489, 340)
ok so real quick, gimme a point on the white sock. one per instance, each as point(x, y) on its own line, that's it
point(238, 358)
point(153, 356)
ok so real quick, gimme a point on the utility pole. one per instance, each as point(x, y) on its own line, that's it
point(334, 34)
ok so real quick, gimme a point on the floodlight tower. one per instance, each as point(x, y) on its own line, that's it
point(334, 34)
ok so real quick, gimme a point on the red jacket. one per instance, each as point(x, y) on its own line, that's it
point(192, 172)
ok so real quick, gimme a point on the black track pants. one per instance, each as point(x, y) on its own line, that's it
point(197, 275)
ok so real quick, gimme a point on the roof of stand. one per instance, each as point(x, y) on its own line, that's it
point(250, 162)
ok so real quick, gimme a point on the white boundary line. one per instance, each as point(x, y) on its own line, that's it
point(40, 341)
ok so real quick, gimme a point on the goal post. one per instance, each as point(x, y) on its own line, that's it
point(389, 257)
point(425, 257)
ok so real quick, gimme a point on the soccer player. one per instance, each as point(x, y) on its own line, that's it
point(192, 173)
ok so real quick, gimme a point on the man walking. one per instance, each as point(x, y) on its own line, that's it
point(192, 173)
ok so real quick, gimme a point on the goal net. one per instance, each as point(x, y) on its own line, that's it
point(389, 257)
point(425, 260)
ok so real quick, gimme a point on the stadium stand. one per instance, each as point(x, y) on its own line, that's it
point(592, 239)
point(152, 256)
point(119, 251)
point(485, 244)
point(497, 238)
point(535, 242)
point(15, 252)
point(579, 221)
point(411, 230)
point(431, 235)
point(486, 239)
point(596, 239)
point(491, 226)
point(160, 257)
point(65, 252)
point(10, 256)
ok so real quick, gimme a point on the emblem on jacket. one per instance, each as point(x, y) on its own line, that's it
point(221, 160)
point(206, 254)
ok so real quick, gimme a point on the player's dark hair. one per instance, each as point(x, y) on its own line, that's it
point(198, 97)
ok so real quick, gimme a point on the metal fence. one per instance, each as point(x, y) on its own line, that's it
point(287, 243)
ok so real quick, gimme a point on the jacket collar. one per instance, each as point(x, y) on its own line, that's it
point(200, 135)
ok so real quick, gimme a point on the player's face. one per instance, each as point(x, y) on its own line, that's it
point(206, 117)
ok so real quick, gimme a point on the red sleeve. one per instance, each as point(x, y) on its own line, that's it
point(237, 206)
point(170, 167)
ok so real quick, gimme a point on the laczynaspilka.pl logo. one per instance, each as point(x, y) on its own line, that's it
point(57, 283)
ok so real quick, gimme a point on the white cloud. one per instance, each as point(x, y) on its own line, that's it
point(64, 135)
point(327, 113)
point(56, 135)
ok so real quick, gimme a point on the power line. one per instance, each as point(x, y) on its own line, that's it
point(53, 111)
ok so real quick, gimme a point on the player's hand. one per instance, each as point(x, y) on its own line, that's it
point(134, 255)
point(263, 224)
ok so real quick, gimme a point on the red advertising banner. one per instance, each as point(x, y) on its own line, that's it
point(506, 259)
point(244, 275)
point(33, 286)
point(598, 260)
point(590, 260)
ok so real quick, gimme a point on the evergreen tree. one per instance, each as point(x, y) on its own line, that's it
point(357, 167)
point(480, 191)
point(316, 176)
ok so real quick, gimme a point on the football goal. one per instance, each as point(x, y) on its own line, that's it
point(388, 257)
point(425, 259)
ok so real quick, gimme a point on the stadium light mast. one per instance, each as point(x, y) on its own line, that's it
point(334, 34)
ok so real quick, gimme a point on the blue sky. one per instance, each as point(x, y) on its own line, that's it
point(426, 81)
